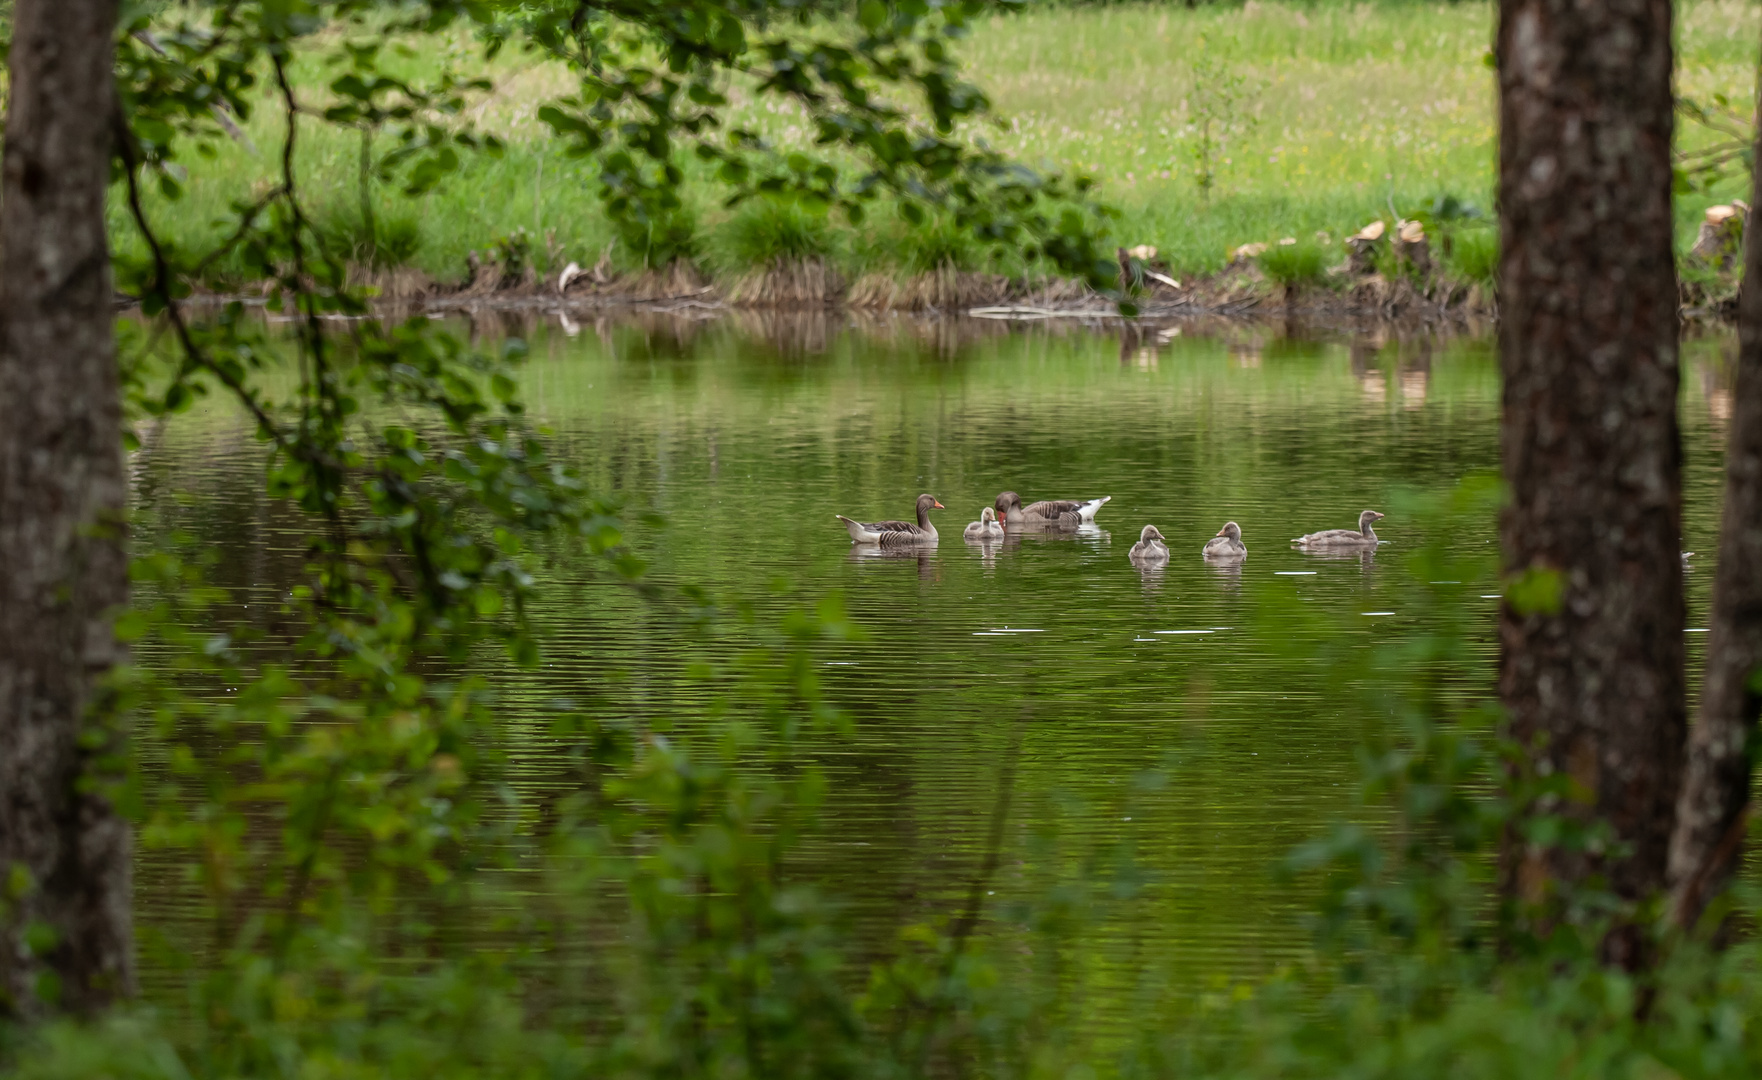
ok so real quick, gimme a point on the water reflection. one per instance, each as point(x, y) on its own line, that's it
point(987, 550)
point(1227, 571)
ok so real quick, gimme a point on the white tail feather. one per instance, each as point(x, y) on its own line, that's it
point(858, 532)
point(1087, 511)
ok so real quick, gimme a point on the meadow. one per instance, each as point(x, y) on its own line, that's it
point(1206, 129)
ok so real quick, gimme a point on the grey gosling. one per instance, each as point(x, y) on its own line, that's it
point(1149, 550)
point(1227, 544)
point(1364, 537)
point(986, 528)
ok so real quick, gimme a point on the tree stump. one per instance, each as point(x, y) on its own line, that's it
point(1364, 246)
point(1721, 239)
point(1411, 248)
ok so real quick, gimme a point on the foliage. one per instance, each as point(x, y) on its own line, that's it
point(652, 75)
point(1731, 153)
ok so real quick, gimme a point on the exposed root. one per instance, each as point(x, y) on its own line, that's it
point(788, 283)
point(945, 289)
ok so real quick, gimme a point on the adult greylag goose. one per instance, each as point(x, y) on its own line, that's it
point(1364, 537)
point(986, 528)
point(1149, 550)
point(1227, 544)
point(1053, 513)
point(896, 533)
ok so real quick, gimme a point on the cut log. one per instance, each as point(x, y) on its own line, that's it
point(1411, 247)
point(1364, 246)
point(1721, 238)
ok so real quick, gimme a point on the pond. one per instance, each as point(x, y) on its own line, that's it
point(1192, 725)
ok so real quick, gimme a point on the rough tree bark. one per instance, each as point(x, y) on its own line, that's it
point(1716, 786)
point(65, 933)
point(1588, 337)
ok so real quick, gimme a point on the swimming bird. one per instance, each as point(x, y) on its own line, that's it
point(1364, 537)
point(1227, 544)
point(1056, 513)
point(986, 528)
point(896, 533)
point(1149, 550)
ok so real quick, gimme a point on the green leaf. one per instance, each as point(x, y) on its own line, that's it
point(1536, 591)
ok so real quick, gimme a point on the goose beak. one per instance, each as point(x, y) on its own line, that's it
point(1220, 532)
point(934, 505)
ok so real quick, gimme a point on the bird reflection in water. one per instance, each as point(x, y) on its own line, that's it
point(1151, 574)
point(923, 554)
point(987, 549)
point(1228, 571)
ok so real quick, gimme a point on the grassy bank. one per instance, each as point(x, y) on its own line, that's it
point(1207, 129)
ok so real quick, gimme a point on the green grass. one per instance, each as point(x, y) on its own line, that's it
point(1474, 255)
point(766, 231)
point(1304, 263)
point(1345, 114)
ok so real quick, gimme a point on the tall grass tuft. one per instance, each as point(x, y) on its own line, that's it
point(1474, 256)
point(768, 233)
point(379, 242)
point(1304, 263)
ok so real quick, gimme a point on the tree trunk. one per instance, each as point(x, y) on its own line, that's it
point(65, 934)
point(1710, 814)
point(1591, 674)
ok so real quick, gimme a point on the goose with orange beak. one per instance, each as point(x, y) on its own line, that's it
point(1048, 513)
point(896, 534)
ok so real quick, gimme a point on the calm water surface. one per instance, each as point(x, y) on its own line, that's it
point(1200, 721)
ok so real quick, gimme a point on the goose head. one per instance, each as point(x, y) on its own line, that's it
point(1007, 500)
point(927, 503)
point(987, 515)
point(1231, 530)
point(1365, 519)
point(1148, 534)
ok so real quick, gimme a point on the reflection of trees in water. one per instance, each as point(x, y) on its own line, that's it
point(1415, 370)
point(1715, 376)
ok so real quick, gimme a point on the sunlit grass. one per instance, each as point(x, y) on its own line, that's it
point(1347, 113)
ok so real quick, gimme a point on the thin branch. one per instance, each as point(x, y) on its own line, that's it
point(246, 221)
point(162, 286)
point(974, 907)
